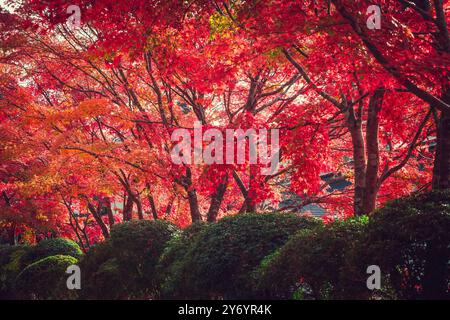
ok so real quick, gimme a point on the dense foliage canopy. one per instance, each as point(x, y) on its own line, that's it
point(89, 100)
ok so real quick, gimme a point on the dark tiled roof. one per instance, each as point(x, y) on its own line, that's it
point(337, 182)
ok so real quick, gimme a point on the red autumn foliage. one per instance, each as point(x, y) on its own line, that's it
point(87, 114)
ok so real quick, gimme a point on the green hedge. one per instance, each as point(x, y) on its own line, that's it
point(11, 263)
point(221, 258)
point(52, 247)
point(281, 256)
point(171, 261)
point(410, 241)
point(312, 264)
point(46, 279)
point(124, 266)
point(100, 276)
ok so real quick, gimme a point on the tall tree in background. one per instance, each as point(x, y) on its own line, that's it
point(413, 45)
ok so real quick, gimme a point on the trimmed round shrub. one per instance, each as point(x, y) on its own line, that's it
point(409, 239)
point(100, 276)
point(222, 257)
point(172, 259)
point(52, 247)
point(107, 282)
point(123, 266)
point(11, 263)
point(46, 279)
point(312, 264)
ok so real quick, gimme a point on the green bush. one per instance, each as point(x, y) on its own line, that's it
point(172, 259)
point(221, 258)
point(409, 239)
point(123, 266)
point(11, 263)
point(52, 247)
point(100, 276)
point(137, 246)
point(107, 282)
point(46, 279)
point(312, 264)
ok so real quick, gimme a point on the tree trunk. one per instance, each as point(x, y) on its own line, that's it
point(359, 161)
point(107, 204)
point(128, 209)
point(441, 170)
point(77, 232)
point(192, 196)
point(140, 212)
point(98, 219)
point(373, 155)
point(193, 205)
point(250, 205)
point(151, 201)
point(12, 234)
point(169, 206)
point(217, 199)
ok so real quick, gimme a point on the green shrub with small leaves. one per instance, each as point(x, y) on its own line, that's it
point(137, 246)
point(11, 263)
point(46, 279)
point(52, 247)
point(221, 258)
point(172, 259)
point(274, 256)
point(108, 282)
point(409, 239)
point(123, 267)
point(312, 264)
point(100, 276)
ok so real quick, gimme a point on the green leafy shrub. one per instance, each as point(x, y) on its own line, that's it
point(123, 266)
point(409, 239)
point(312, 264)
point(46, 279)
point(172, 259)
point(221, 258)
point(11, 263)
point(108, 282)
point(52, 247)
point(137, 246)
point(100, 276)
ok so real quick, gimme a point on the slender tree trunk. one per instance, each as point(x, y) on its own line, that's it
point(217, 199)
point(75, 225)
point(193, 205)
point(128, 209)
point(98, 219)
point(169, 206)
point(11, 230)
point(107, 204)
point(12, 234)
point(192, 196)
point(138, 202)
point(151, 201)
point(441, 170)
point(85, 236)
point(247, 206)
point(359, 162)
point(244, 192)
point(77, 233)
point(373, 155)
point(250, 201)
